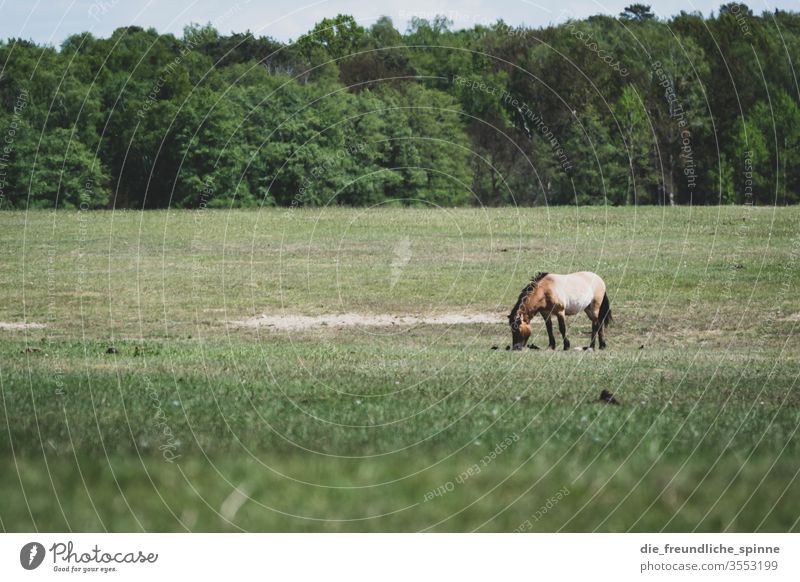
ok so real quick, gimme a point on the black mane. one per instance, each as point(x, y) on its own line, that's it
point(524, 293)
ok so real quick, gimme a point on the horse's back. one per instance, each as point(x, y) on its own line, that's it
point(576, 291)
point(579, 278)
point(592, 279)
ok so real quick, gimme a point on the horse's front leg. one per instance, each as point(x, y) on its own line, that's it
point(562, 327)
point(548, 323)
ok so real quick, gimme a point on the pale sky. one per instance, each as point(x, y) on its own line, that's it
point(51, 21)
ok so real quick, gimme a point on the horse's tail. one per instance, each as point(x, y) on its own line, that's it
point(605, 311)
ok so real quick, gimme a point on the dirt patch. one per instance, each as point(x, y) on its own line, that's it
point(294, 322)
point(16, 326)
point(792, 317)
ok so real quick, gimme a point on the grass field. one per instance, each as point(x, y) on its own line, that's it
point(198, 423)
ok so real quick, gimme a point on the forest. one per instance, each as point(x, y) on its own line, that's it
point(618, 110)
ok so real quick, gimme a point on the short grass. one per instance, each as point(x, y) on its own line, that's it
point(195, 424)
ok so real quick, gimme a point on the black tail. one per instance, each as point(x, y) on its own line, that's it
point(605, 311)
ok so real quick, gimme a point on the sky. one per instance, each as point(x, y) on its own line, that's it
point(51, 21)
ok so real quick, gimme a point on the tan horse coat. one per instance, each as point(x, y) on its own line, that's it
point(549, 294)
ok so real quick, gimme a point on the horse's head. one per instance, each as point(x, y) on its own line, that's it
point(520, 331)
point(520, 316)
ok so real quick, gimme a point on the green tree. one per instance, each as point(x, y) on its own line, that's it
point(57, 171)
point(637, 12)
point(638, 152)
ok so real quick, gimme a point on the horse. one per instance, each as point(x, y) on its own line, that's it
point(549, 294)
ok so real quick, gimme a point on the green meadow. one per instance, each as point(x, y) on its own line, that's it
point(142, 394)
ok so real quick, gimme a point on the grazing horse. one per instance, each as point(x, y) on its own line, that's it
point(549, 294)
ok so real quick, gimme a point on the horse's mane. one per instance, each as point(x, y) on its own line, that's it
point(524, 294)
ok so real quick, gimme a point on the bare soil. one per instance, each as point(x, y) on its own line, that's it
point(287, 321)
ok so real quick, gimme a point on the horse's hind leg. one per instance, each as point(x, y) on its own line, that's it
point(562, 327)
point(595, 317)
point(548, 323)
point(601, 327)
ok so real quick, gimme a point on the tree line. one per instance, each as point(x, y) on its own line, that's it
point(606, 110)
